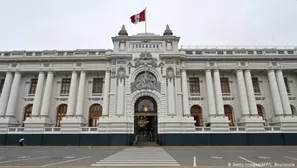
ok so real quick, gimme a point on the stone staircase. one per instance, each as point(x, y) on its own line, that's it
point(139, 144)
point(139, 157)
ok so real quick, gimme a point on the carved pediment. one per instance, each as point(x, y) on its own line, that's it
point(146, 58)
point(146, 81)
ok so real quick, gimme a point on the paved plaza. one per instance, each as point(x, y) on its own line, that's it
point(151, 156)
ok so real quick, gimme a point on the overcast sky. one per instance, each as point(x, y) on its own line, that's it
point(90, 24)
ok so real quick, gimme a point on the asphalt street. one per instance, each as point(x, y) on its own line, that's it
point(126, 156)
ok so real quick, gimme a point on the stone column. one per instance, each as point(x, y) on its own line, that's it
point(5, 93)
point(170, 97)
point(47, 94)
point(250, 92)
point(72, 93)
point(210, 93)
point(11, 107)
point(81, 94)
point(106, 93)
point(283, 92)
point(120, 107)
point(242, 93)
point(38, 95)
point(278, 109)
point(185, 91)
point(218, 93)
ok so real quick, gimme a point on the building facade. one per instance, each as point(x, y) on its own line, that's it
point(148, 89)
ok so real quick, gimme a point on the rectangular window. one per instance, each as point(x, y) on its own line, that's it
point(97, 85)
point(65, 86)
point(256, 85)
point(229, 52)
point(33, 86)
point(225, 85)
point(290, 52)
point(1, 85)
point(287, 84)
point(194, 85)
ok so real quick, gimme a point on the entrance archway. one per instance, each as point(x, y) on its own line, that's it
point(146, 119)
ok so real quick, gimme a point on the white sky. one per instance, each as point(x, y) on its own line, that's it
point(90, 24)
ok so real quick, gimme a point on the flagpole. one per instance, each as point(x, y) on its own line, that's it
point(145, 19)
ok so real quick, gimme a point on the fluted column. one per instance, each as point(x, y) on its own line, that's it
point(47, 94)
point(185, 90)
point(278, 109)
point(242, 93)
point(72, 94)
point(250, 92)
point(81, 94)
point(13, 95)
point(283, 92)
point(5, 93)
point(106, 93)
point(218, 92)
point(210, 93)
point(38, 95)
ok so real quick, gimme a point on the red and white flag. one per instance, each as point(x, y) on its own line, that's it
point(140, 17)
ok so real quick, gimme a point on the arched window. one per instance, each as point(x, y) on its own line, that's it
point(94, 114)
point(293, 109)
point(229, 114)
point(27, 112)
point(61, 112)
point(196, 112)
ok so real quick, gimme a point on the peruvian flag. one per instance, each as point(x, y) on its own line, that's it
point(140, 17)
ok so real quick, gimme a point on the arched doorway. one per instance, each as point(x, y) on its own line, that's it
point(94, 113)
point(27, 112)
point(229, 113)
point(146, 119)
point(196, 112)
point(61, 113)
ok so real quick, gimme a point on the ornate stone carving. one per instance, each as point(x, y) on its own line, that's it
point(170, 73)
point(177, 71)
point(146, 58)
point(146, 81)
point(113, 71)
point(121, 73)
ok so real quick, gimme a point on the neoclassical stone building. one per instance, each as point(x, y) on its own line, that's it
point(149, 89)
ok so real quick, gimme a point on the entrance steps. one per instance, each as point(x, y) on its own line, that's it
point(147, 144)
point(138, 157)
